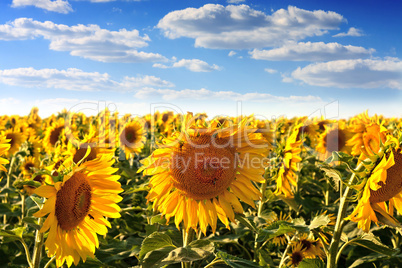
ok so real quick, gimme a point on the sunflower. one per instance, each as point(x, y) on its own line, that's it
point(30, 163)
point(4, 147)
point(291, 156)
point(200, 174)
point(77, 207)
point(16, 139)
point(280, 240)
point(132, 137)
point(55, 135)
point(333, 139)
point(296, 256)
point(381, 191)
point(312, 248)
point(367, 135)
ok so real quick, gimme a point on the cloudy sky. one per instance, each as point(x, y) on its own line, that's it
point(268, 58)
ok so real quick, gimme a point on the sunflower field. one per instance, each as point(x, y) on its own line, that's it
point(185, 190)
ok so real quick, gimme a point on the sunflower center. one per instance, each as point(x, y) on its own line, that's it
point(297, 257)
point(306, 244)
point(73, 201)
point(11, 137)
point(335, 140)
point(393, 182)
point(54, 135)
point(129, 136)
point(80, 153)
point(204, 167)
point(28, 166)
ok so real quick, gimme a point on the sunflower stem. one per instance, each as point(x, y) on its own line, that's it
point(22, 207)
point(10, 170)
point(187, 238)
point(333, 248)
point(50, 261)
point(27, 254)
point(37, 252)
point(259, 212)
point(283, 259)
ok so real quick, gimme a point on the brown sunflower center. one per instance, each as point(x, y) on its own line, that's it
point(306, 244)
point(28, 166)
point(393, 182)
point(335, 140)
point(54, 135)
point(165, 117)
point(11, 137)
point(296, 258)
point(204, 166)
point(80, 153)
point(73, 201)
point(128, 136)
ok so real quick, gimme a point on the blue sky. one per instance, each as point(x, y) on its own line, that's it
point(268, 58)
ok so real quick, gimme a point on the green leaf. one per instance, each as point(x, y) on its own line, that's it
point(225, 239)
point(31, 221)
point(373, 243)
point(319, 221)
point(265, 234)
point(15, 234)
point(333, 174)
point(196, 250)
point(311, 263)
point(369, 258)
point(339, 156)
point(246, 222)
point(234, 261)
point(5, 208)
point(38, 200)
point(156, 241)
point(158, 219)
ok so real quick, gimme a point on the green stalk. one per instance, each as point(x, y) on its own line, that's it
point(27, 254)
point(343, 205)
point(22, 207)
point(187, 238)
point(37, 253)
point(8, 184)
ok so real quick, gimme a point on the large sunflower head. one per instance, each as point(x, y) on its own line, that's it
point(77, 208)
point(200, 174)
point(132, 137)
point(380, 190)
point(4, 147)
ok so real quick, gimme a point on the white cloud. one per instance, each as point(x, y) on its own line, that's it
point(232, 53)
point(205, 94)
point(369, 73)
point(194, 65)
point(352, 32)
point(271, 71)
point(316, 51)
point(145, 81)
point(76, 79)
point(235, 1)
point(59, 6)
point(241, 27)
point(87, 41)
